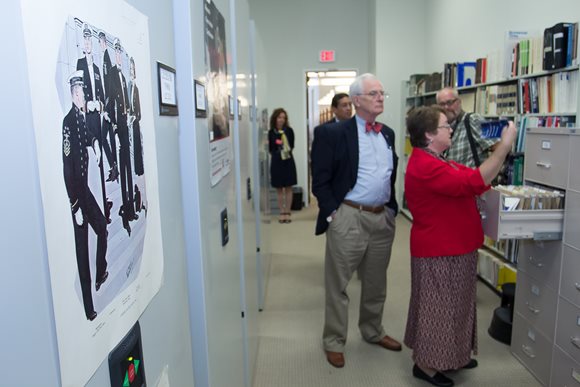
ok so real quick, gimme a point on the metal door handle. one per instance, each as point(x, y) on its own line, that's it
point(575, 341)
point(577, 285)
point(528, 351)
point(543, 165)
point(532, 309)
point(533, 262)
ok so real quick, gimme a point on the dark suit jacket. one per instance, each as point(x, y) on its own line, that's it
point(88, 88)
point(335, 166)
point(118, 93)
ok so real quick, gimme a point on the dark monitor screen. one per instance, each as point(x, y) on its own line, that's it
point(126, 361)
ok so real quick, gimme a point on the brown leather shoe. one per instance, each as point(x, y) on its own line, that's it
point(336, 359)
point(389, 343)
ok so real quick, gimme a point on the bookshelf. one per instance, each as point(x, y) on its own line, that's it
point(508, 252)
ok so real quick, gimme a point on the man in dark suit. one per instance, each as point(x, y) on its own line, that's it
point(354, 168)
point(76, 138)
point(95, 101)
point(120, 97)
point(341, 107)
point(107, 127)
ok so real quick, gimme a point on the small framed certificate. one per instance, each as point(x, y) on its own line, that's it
point(200, 99)
point(167, 90)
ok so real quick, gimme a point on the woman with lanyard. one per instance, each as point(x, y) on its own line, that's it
point(282, 166)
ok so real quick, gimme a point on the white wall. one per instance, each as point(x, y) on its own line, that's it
point(453, 35)
point(293, 32)
point(400, 51)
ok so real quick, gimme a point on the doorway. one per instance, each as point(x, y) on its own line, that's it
point(321, 86)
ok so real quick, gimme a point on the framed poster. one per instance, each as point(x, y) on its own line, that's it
point(167, 90)
point(200, 99)
point(97, 168)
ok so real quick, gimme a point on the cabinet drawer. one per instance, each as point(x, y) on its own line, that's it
point(570, 283)
point(574, 177)
point(565, 372)
point(572, 234)
point(518, 224)
point(537, 303)
point(547, 156)
point(532, 349)
point(568, 329)
point(541, 261)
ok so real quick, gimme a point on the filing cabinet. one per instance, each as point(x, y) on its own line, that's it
point(546, 326)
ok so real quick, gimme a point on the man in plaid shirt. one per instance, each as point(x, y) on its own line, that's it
point(460, 150)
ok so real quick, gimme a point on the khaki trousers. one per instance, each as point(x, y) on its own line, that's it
point(356, 241)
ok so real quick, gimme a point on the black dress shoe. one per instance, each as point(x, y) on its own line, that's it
point(113, 173)
point(437, 380)
point(127, 226)
point(91, 316)
point(472, 364)
point(101, 281)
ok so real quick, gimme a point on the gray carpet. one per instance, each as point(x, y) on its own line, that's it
point(290, 351)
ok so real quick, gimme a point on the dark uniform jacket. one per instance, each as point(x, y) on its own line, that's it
point(88, 87)
point(75, 139)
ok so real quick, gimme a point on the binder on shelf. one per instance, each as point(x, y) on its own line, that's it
point(556, 46)
point(466, 74)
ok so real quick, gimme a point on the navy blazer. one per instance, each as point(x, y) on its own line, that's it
point(334, 162)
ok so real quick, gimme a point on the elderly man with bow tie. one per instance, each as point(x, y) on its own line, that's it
point(354, 166)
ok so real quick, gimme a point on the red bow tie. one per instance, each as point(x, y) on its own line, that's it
point(376, 127)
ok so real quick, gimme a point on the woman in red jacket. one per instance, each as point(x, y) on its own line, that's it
point(445, 236)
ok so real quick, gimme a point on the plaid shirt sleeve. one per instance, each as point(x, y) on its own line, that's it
point(460, 151)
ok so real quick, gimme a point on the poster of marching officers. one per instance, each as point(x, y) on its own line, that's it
point(93, 118)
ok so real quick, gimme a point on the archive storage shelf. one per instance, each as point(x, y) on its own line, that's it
point(546, 330)
point(477, 98)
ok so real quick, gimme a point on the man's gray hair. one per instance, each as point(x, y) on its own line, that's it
point(356, 88)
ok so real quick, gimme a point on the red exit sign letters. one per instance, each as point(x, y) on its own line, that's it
point(326, 56)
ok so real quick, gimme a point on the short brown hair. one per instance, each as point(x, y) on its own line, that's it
point(421, 120)
point(275, 115)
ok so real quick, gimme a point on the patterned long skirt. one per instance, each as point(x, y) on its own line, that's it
point(442, 321)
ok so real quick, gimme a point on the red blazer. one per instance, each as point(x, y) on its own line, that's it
point(441, 199)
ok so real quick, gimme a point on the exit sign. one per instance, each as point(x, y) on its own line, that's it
point(326, 56)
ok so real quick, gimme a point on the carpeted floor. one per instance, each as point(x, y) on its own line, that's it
point(290, 347)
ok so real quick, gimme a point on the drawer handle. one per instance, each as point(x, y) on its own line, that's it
point(538, 264)
point(577, 285)
point(575, 341)
point(532, 309)
point(543, 165)
point(528, 351)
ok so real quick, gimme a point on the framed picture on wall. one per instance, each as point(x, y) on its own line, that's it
point(167, 90)
point(231, 104)
point(200, 99)
point(239, 109)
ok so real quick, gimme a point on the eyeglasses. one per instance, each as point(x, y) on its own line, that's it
point(376, 94)
point(445, 126)
point(447, 103)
